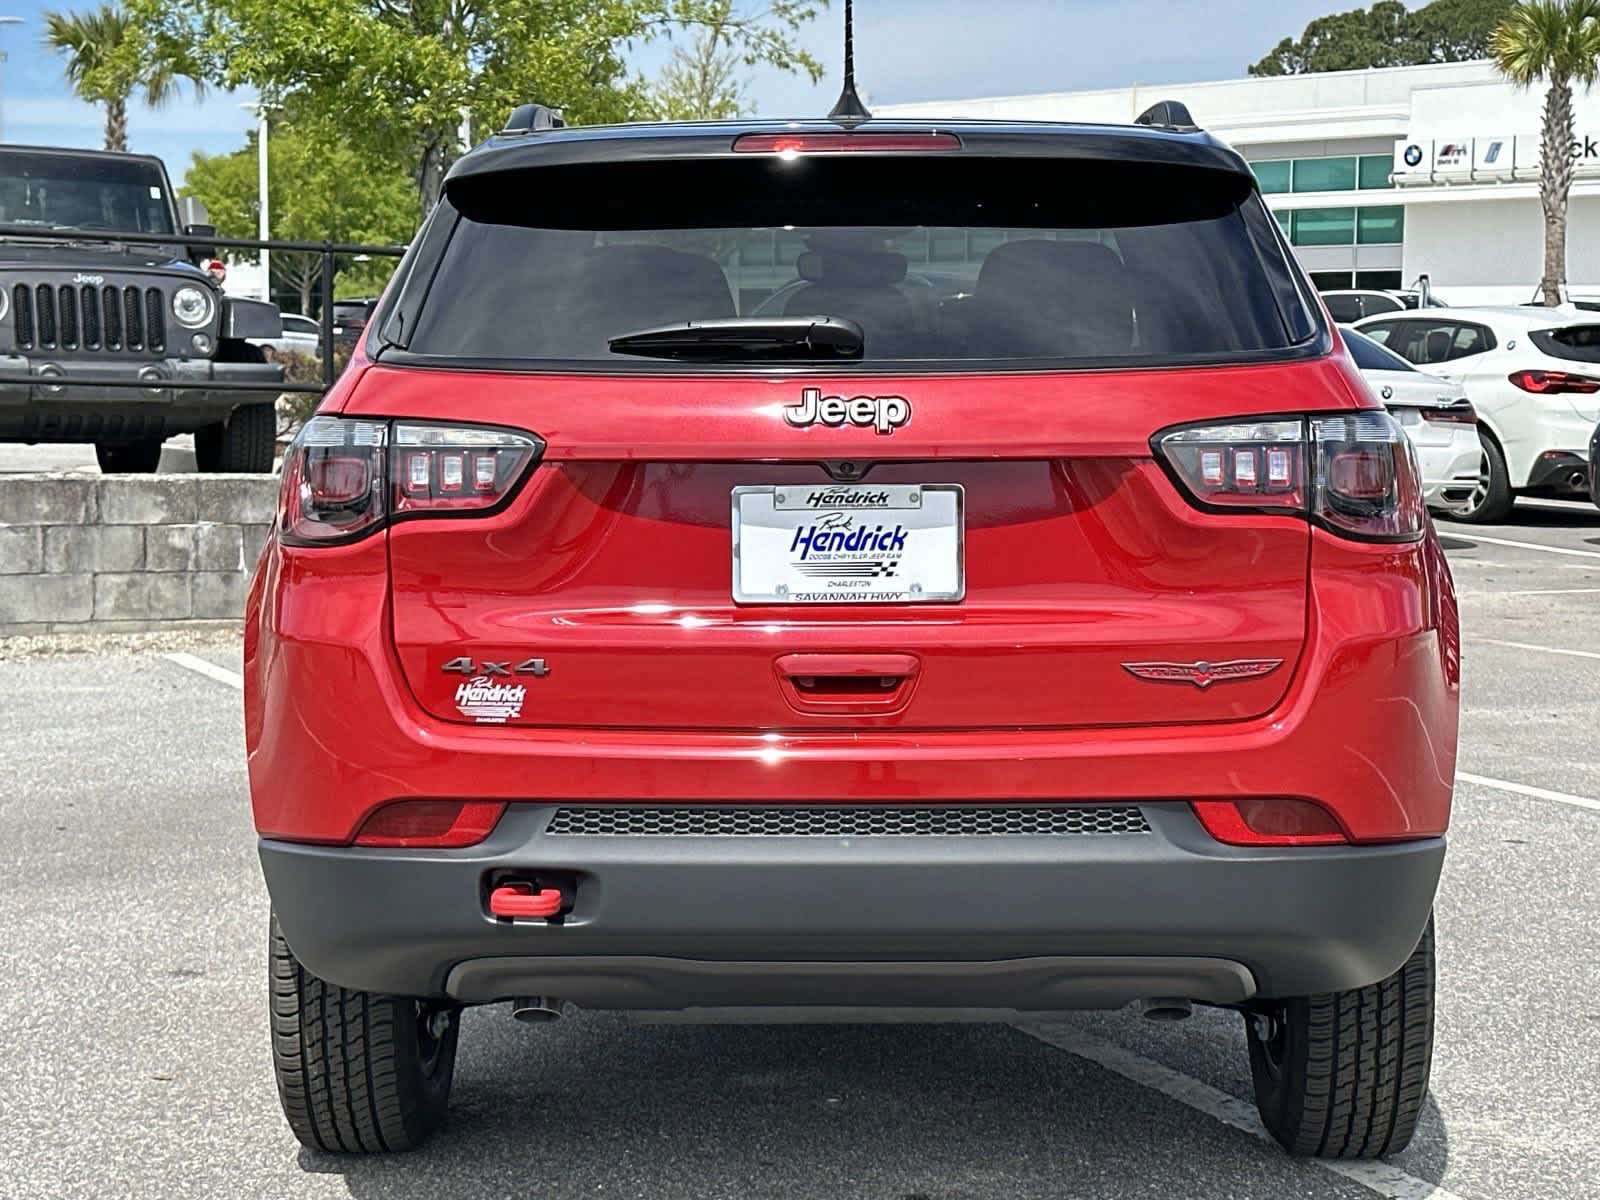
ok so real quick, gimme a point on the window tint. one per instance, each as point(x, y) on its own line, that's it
point(70, 191)
point(1426, 342)
point(1191, 286)
point(1325, 227)
point(1273, 177)
point(1324, 174)
point(1577, 343)
point(1372, 355)
point(1382, 332)
point(297, 324)
point(1343, 306)
point(1375, 170)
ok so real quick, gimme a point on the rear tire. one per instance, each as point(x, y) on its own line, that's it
point(246, 443)
point(358, 1072)
point(129, 458)
point(1492, 499)
point(1344, 1074)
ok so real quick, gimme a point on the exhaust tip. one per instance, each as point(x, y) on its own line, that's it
point(1165, 1008)
point(536, 1010)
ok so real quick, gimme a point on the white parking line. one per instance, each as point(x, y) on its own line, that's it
point(1537, 649)
point(1523, 789)
point(209, 669)
point(1537, 592)
point(1494, 541)
point(1390, 1182)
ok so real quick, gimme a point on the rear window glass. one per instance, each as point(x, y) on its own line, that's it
point(1054, 275)
point(1371, 355)
point(1579, 343)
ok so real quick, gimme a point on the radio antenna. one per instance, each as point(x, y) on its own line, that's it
point(849, 106)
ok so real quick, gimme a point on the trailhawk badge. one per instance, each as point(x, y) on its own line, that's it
point(883, 413)
point(1204, 674)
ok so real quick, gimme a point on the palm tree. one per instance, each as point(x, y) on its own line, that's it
point(1558, 42)
point(103, 71)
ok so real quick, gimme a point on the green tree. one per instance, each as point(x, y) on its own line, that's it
point(321, 191)
point(1388, 35)
point(702, 81)
point(101, 72)
point(1556, 42)
point(397, 76)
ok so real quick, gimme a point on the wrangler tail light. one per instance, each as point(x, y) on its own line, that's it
point(1352, 473)
point(431, 824)
point(345, 477)
point(1269, 822)
point(1555, 383)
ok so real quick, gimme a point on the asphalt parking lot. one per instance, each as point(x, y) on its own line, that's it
point(134, 1061)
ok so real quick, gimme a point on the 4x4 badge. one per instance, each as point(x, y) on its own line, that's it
point(1204, 674)
point(883, 413)
point(536, 667)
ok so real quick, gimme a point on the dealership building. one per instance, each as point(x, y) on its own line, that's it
point(1378, 177)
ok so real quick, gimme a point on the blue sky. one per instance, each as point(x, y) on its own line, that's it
point(905, 50)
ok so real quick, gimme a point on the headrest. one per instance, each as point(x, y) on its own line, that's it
point(1021, 267)
point(857, 269)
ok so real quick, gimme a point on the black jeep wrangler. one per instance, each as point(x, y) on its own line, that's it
point(84, 297)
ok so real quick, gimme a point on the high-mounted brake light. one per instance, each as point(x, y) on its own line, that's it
point(792, 145)
point(1554, 383)
point(1352, 473)
point(345, 477)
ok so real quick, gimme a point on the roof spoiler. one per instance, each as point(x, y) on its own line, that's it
point(1168, 114)
point(534, 118)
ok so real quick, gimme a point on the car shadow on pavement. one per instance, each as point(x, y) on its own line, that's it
point(600, 1106)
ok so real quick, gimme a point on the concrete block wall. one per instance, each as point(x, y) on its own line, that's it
point(122, 553)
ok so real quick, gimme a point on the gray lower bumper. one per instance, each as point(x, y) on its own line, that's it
point(40, 410)
point(1023, 922)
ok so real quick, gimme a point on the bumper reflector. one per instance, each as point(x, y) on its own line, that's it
point(1269, 822)
point(431, 824)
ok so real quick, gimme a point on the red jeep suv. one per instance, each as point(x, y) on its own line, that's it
point(849, 565)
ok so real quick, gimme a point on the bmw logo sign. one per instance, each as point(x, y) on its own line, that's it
point(1413, 155)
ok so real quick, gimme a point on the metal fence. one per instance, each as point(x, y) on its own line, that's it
point(329, 251)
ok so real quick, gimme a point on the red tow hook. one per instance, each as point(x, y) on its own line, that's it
point(520, 900)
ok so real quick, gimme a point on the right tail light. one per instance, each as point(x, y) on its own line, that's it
point(345, 477)
point(1555, 383)
point(1353, 473)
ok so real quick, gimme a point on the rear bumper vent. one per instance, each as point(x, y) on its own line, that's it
point(848, 821)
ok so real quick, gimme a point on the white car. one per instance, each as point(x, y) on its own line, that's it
point(301, 335)
point(1437, 417)
point(1351, 304)
point(1533, 376)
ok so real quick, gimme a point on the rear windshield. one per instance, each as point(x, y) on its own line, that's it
point(1371, 355)
point(1054, 276)
point(72, 191)
point(1577, 343)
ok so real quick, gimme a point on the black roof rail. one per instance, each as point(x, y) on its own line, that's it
point(534, 118)
point(1167, 114)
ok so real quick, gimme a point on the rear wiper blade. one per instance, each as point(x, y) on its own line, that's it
point(731, 339)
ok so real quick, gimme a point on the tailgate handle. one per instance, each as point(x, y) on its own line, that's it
point(848, 683)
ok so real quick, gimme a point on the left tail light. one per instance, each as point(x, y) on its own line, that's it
point(345, 477)
point(1354, 473)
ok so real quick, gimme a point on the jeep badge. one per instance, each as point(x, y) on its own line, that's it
point(883, 413)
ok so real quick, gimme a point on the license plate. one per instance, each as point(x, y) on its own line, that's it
point(855, 543)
